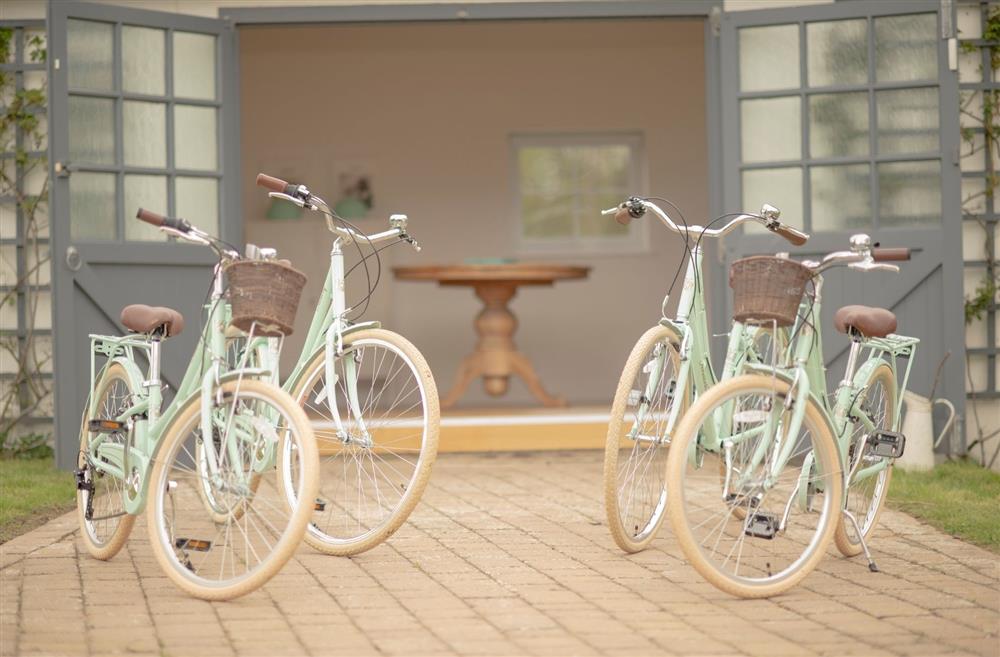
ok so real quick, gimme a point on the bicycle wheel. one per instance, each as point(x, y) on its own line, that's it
point(219, 556)
point(236, 358)
point(104, 523)
point(635, 455)
point(865, 496)
point(374, 466)
point(789, 513)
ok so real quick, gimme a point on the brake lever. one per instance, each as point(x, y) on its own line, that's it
point(871, 265)
point(412, 242)
point(287, 197)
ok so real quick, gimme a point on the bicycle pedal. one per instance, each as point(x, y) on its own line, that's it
point(762, 525)
point(887, 444)
point(319, 505)
point(101, 425)
point(196, 544)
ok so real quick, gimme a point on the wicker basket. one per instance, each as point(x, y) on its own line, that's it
point(767, 289)
point(266, 292)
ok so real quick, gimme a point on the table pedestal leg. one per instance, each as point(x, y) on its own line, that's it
point(496, 357)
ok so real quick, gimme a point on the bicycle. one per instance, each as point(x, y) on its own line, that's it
point(766, 468)
point(669, 364)
point(370, 396)
point(201, 467)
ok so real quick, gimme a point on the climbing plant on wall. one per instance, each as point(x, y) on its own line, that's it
point(25, 389)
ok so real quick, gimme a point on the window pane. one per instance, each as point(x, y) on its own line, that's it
point(148, 192)
point(771, 129)
point(838, 124)
point(769, 57)
point(143, 60)
point(195, 145)
point(841, 197)
point(909, 193)
point(88, 51)
point(144, 134)
point(602, 168)
point(837, 52)
point(907, 120)
point(906, 48)
point(91, 130)
point(194, 65)
point(781, 188)
point(547, 216)
point(92, 206)
point(198, 201)
point(543, 169)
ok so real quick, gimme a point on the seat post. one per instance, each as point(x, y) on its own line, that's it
point(152, 384)
point(852, 357)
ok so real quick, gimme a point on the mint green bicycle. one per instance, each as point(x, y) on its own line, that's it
point(667, 368)
point(369, 396)
point(766, 468)
point(205, 467)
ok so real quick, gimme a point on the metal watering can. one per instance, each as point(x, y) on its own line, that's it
point(918, 427)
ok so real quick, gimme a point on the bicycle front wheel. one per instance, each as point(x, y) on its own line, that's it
point(635, 455)
point(250, 532)
point(377, 429)
point(867, 490)
point(760, 528)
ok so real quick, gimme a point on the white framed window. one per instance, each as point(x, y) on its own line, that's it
point(561, 184)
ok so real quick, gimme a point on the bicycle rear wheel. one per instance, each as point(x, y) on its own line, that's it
point(105, 525)
point(249, 535)
point(635, 455)
point(865, 495)
point(789, 508)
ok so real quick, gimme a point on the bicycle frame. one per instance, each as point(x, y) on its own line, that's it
point(807, 378)
point(691, 328)
point(145, 421)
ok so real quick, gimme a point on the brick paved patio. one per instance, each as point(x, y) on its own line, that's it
point(508, 554)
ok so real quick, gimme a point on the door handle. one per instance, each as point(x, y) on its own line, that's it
point(73, 259)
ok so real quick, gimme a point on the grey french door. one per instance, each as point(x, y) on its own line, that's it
point(845, 116)
point(142, 113)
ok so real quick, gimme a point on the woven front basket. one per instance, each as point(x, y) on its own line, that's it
point(767, 289)
point(264, 295)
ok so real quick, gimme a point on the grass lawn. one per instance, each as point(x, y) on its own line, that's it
point(32, 492)
point(958, 497)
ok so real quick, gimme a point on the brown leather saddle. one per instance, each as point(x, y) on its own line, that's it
point(866, 320)
point(149, 319)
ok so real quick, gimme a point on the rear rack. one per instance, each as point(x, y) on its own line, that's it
point(897, 346)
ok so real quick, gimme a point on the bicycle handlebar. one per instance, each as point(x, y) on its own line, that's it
point(890, 254)
point(301, 196)
point(162, 221)
point(635, 207)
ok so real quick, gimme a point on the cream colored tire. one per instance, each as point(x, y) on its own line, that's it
point(849, 547)
point(107, 547)
point(290, 536)
point(825, 453)
point(319, 534)
point(643, 520)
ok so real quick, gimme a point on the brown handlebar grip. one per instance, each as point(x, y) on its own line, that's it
point(272, 183)
point(795, 237)
point(150, 217)
point(888, 254)
point(623, 217)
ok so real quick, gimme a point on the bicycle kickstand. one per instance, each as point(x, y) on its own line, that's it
point(872, 566)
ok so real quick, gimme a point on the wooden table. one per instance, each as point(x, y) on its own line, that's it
point(496, 357)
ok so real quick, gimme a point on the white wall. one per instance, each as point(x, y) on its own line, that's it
point(431, 107)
